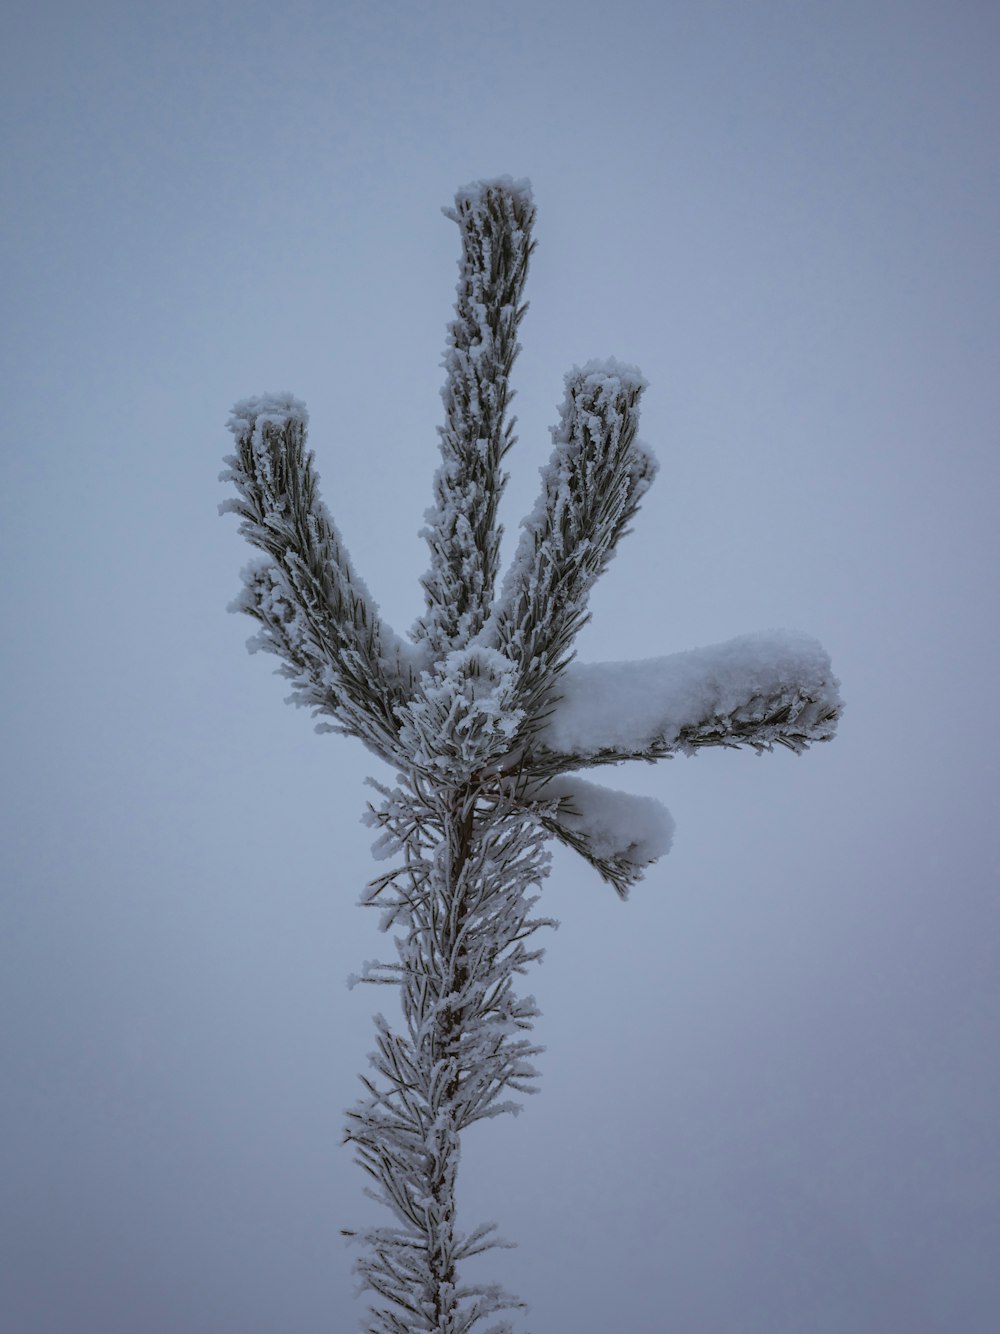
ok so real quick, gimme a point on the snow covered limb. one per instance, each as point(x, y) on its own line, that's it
point(591, 488)
point(762, 690)
point(495, 218)
point(618, 833)
point(314, 611)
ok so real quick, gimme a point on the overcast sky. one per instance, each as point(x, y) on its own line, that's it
point(770, 1093)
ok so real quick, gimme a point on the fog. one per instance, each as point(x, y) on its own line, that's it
point(770, 1086)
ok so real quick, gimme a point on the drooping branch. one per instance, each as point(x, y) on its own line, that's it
point(618, 833)
point(495, 218)
point(314, 612)
point(591, 489)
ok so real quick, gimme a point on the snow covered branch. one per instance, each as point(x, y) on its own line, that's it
point(618, 833)
point(761, 691)
point(495, 218)
point(314, 612)
point(591, 488)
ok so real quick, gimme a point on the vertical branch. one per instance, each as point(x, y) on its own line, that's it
point(495, 218)
point(463, 900)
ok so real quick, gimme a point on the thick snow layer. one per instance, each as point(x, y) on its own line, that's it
point(616, 825)
point(632, 706)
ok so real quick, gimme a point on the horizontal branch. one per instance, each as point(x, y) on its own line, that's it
point(761, 691)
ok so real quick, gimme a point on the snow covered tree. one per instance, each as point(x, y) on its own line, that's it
point(485, 720)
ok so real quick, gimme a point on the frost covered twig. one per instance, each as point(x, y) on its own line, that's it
point(591, 489)
point(314, 611)
point(495, 219)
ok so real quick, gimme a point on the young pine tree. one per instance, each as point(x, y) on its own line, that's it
point(483, 719)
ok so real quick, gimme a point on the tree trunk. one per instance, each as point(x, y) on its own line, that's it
point(445, 960)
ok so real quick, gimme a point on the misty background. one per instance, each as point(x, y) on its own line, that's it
point(769, 1100)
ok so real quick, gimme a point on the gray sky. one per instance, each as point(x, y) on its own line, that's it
point(769, 1102)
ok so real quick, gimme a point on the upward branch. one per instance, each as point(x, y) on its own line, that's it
point(314, 611)
point(495, 218)
point(591, 488)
